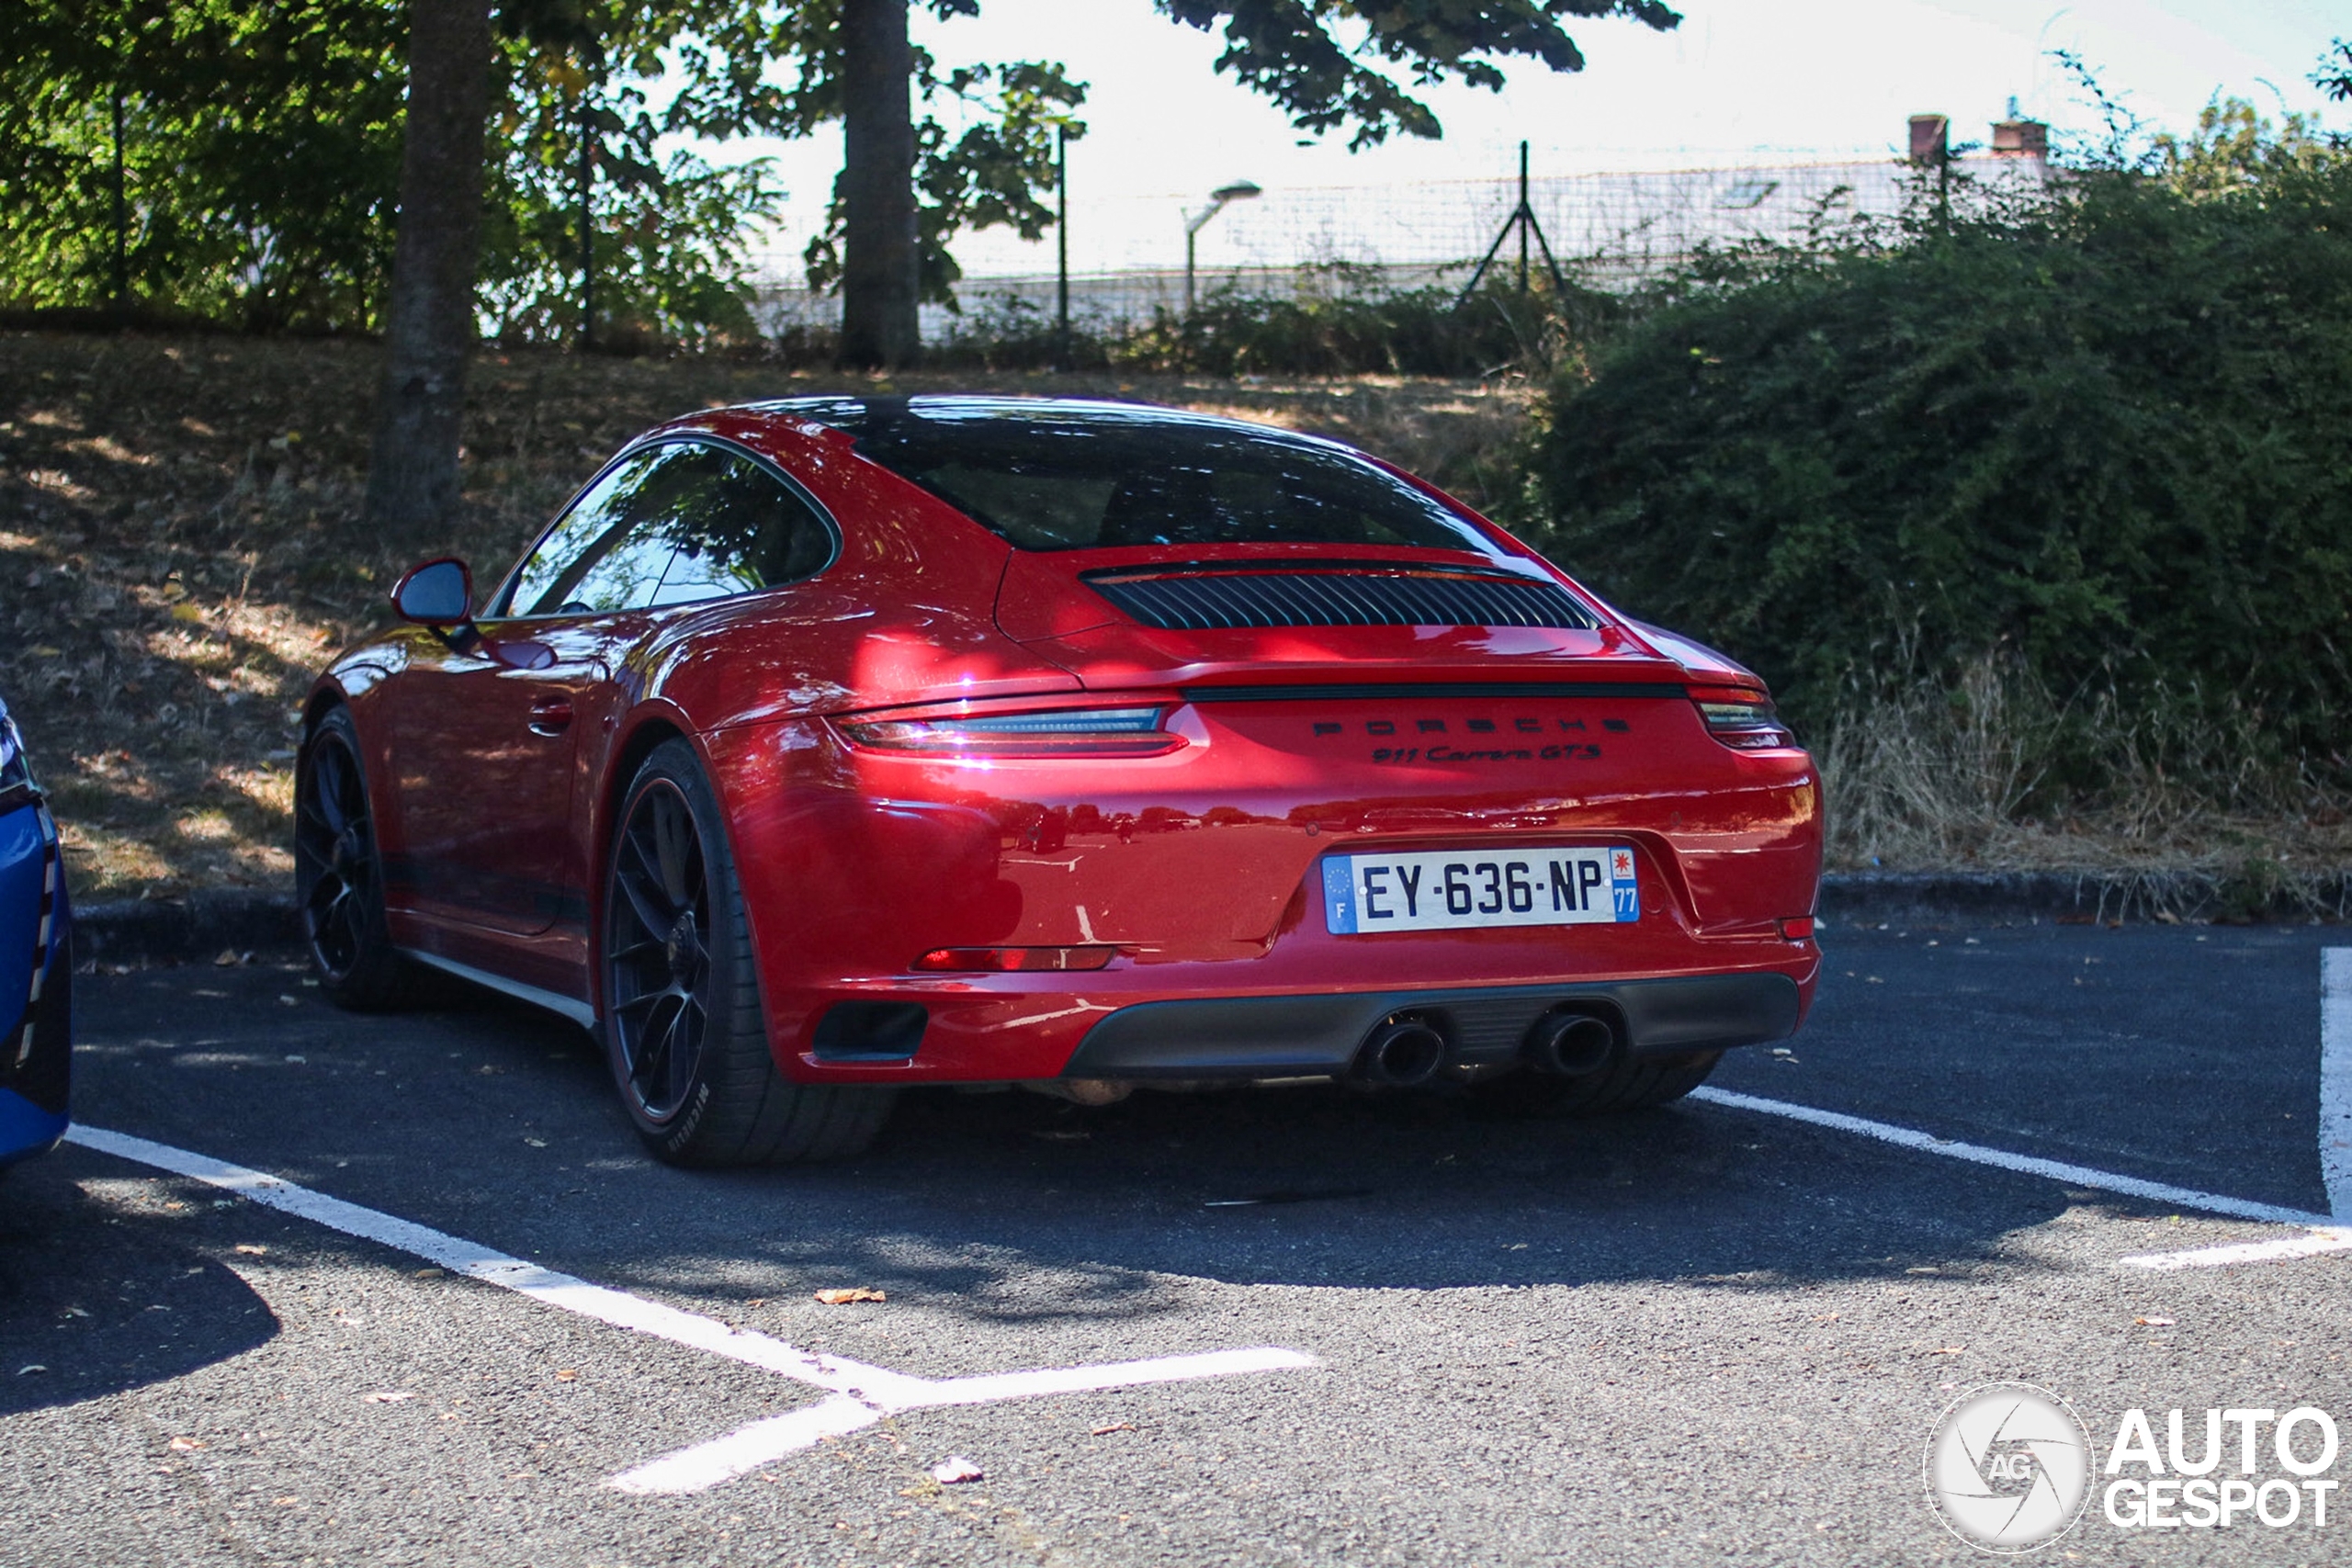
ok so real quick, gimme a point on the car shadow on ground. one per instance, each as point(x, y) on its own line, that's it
point(498, 1123)
point(1014, 1208)
point(98, 1297)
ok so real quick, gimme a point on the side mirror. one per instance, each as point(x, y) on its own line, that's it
point(438, 593)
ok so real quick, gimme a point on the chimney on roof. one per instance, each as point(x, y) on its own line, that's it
point(2017, 137)
point(1928, 132)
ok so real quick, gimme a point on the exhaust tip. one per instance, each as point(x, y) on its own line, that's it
point(1402, 1053)
point(1571, 1045)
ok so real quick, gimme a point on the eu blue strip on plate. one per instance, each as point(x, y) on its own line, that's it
point(1339, 895)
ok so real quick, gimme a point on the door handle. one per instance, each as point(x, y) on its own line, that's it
point(550, 716)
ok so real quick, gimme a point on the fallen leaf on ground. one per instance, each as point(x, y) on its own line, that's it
point(185, 1445)
point(2153, 1322)
point(568, 1374)
point(1115, 1427)
point(1949, 1350)
point(843, 1298)
point(956, 1472)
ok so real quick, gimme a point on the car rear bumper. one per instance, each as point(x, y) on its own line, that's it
point(1260, 1037)
point(1171, 1021)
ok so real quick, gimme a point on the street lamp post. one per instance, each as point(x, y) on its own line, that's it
point(1240, 190)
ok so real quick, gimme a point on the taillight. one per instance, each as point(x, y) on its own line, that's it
point(1741, 717)
point(1066, 732)
point(1013, 960)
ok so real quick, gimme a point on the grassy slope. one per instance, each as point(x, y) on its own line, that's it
point(180, 546)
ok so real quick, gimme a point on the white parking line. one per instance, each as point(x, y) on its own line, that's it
point(2336, 1077)
point(2338, 1240)
point(2024, 1165)
point(763, 1442)
point(2323, 1237)
point(861, 1395)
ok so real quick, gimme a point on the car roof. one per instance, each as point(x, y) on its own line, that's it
point(861, 415)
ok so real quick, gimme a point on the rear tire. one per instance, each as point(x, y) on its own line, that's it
point(1629, 1083)
point(685, 1030)
point(338, 872)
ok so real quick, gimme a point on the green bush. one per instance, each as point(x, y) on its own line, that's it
point(2099, 434)
point(1342, 320)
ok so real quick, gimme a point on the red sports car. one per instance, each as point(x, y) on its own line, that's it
point(834, 744)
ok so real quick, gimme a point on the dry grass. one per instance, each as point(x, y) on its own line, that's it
point(179, 544)
point(1922, 777)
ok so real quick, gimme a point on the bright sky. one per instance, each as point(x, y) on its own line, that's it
point(1739, 81)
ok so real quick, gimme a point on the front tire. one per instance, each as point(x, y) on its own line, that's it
point(338, 872)
point(684, 1031)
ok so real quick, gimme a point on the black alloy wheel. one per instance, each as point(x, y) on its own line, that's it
point(685, 1031)
point(338, 871)
point(657, 962)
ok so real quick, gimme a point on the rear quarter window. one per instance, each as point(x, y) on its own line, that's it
point(676, 524)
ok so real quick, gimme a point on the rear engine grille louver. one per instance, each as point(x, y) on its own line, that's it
point(1217, 601)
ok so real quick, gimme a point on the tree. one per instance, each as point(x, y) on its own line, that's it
point(229, 159)
point(238, 162)
point(429, 325)
point(884, 279)
point(2333, 75)
point(1308, 56)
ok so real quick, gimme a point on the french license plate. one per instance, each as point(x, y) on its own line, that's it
point(1455, 889)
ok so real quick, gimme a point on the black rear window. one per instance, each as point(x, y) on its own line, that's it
point(1078, 478)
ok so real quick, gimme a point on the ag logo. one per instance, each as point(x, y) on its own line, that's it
point(2008, 1467)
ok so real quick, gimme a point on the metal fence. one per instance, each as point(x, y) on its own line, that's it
point(1608, 231)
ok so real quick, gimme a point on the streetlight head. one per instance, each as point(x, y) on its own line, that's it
point(1240, 190)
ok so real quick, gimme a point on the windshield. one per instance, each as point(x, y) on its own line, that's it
point(1077, 477)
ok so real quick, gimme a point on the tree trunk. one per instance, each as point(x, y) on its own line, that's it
point(429, 322)
point(880, 269)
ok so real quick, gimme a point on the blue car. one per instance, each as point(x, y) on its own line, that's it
point(36, 962)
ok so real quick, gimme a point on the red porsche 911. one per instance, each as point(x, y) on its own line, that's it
point(830, 745)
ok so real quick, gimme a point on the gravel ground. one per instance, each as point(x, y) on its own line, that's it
point(1703, 1335)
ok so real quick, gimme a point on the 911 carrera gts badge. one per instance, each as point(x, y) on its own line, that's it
point(1455, 889)
point(1572, 752)
point(1474, 725)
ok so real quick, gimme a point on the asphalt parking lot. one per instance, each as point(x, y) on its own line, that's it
point(1709, 1334)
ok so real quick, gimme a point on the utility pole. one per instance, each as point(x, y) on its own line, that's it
point(1062, 247)
point(1530, 222)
